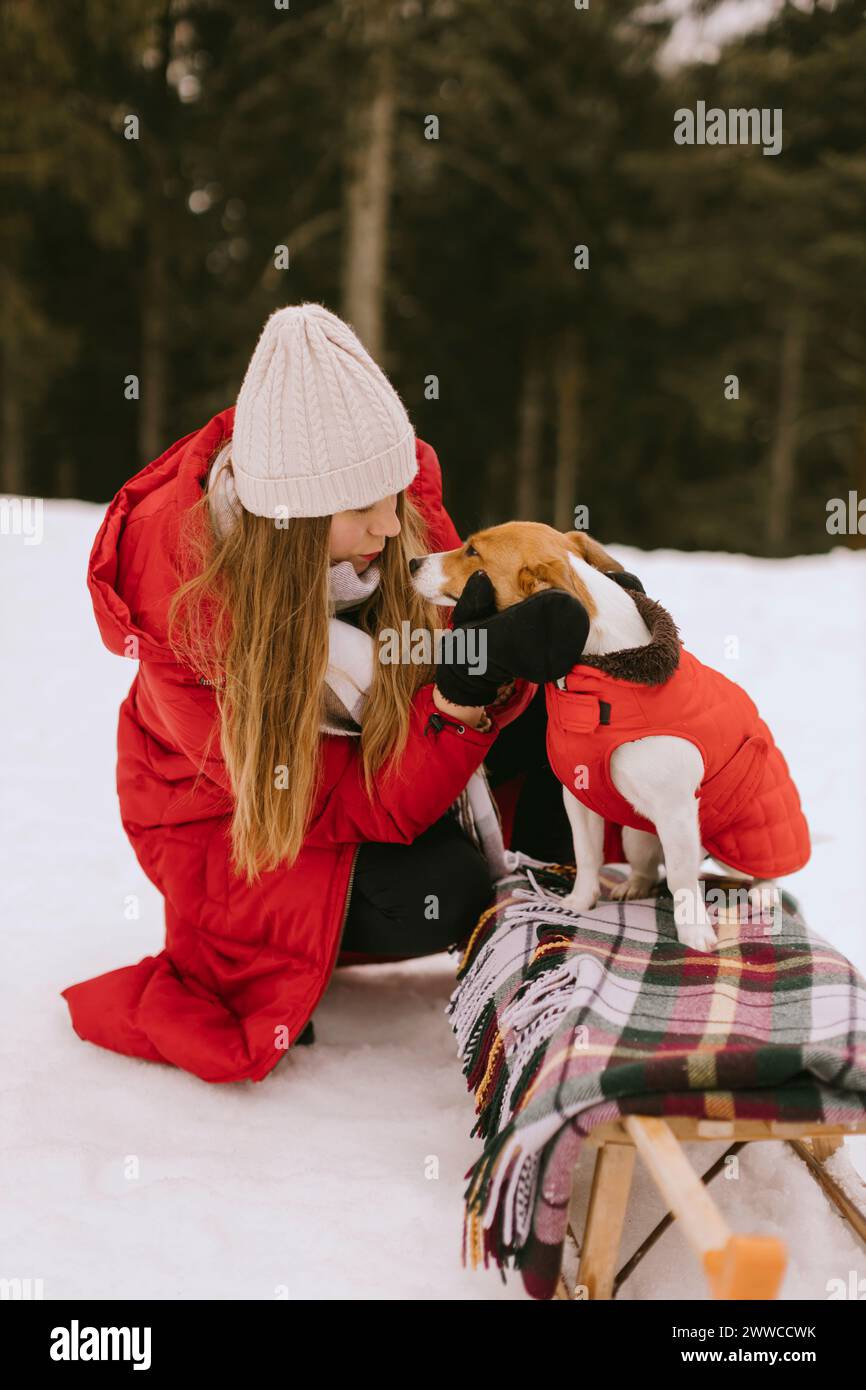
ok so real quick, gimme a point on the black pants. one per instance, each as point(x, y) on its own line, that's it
point(415, 900)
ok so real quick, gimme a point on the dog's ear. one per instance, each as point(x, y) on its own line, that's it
point(590, 551)
point(545, 574)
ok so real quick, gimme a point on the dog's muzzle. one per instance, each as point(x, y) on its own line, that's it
point(427, 578)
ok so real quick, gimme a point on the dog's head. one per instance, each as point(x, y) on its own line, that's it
point(520, 558)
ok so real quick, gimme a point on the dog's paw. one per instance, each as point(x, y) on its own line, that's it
point(632, 887)
point(698, 937)
point(582, 898)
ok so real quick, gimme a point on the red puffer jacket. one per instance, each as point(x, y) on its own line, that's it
point(244, 966)
point(750, 815)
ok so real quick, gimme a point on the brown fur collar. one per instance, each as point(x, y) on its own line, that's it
point(650, 665)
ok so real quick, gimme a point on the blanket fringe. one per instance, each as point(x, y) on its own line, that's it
point(499, 1197)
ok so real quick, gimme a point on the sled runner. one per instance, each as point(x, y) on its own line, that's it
point(735, 1266)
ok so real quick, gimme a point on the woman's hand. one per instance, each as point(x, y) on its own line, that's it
point(504, 693)
point(538, 639)
point(473, 715)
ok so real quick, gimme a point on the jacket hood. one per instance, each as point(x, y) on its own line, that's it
point(133, 568)
point(130, 587)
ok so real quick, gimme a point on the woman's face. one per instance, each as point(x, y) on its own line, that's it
point(360, 535)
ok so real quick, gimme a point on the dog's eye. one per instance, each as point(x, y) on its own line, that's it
point(470, 550)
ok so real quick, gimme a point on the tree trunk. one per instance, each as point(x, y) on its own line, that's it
point(65, 476)
point(783, 451)
point(529, 436)
point(152, 385)
point(369, 175)
point(154, 302)
point(13, 464)
point(567, 386)
point(497, 501)
point(858, 540)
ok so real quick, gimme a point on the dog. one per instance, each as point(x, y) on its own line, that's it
point(714, 776)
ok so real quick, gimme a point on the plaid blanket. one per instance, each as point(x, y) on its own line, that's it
point(564, 1023)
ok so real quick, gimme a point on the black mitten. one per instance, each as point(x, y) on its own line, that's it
point(538, 640)
point(625, 580)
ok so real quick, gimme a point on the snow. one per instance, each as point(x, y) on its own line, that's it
point(342, 1175)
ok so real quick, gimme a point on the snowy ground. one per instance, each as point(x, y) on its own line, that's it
point(128, 1179)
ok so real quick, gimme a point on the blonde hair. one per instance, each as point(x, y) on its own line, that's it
point(252, 620)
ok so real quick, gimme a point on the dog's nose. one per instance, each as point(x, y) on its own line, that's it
point(415, 564)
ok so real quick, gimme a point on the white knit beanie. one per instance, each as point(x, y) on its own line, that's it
point(318, 427)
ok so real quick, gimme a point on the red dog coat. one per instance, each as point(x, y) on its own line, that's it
point(750, 814)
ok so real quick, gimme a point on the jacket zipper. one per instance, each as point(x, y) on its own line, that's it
point(348, 897)
point(439, 722)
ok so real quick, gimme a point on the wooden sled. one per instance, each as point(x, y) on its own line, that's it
point(735, 1266)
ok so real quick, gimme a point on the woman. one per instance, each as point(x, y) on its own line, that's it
point(217, 568)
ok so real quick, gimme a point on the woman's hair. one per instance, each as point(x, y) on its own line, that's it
point(252, 620)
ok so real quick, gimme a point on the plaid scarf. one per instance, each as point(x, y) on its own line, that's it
point(564, 1023)
point(348, 589)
